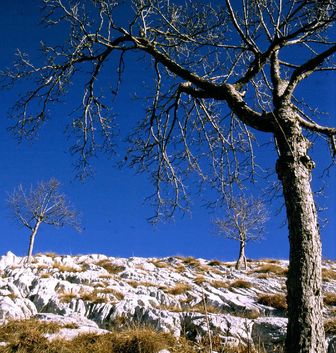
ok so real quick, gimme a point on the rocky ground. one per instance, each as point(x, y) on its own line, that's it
point(186, 296)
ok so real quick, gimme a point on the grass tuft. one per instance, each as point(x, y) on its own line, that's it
point(191, 261)
point(277, 301)
point(180, 288)
point(218, 284)
point(213, 263)
point(239, 283)
point(328, 274)
point(271, 269)
point(329, 299)
point(111, 268)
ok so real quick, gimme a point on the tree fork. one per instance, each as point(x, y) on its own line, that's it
point(305, 331)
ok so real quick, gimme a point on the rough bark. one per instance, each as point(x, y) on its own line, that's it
point(305, 332)
point(241, 262)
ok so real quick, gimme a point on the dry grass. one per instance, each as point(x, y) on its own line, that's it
point(277, 301)
point(93, 297)
point(328, 275)
point(42, 267)
point(330, 326)
point(141, 340)
point(180, 268)
point(197, 308)
point(247, 314)
point(239, 283)
point(114, 292)
point(220, 284)
point(65, 268)
point(66, 297)
point(50, 254)
point(12, 296)
point(14, 327)
point(191, 261)
point(270, 261)
point(111, 268)
point(85, 266)
point(105, 276)
point(136, 284)
point(27, 337)
point(329, 299)
point(262, 275)
point(213, 263)
point(199, 280)
point(23, 335)
point(159, 264)
point(272, 269)
point(204, 309)
point(180, 288)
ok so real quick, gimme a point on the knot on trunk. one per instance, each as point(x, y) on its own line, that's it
point(307, 162)
point(286, 164)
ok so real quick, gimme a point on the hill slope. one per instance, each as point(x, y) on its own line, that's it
point(186, 296)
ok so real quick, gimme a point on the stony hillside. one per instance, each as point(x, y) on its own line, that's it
point(186, 296)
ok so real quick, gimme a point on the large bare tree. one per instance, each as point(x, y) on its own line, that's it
point(220, 74)
point(43, 204)
point(243, 221)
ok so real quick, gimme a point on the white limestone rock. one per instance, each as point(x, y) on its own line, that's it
point(10, 259)
point(332, 345)
point(269, 330)
point(140, 293)
point(16, 308)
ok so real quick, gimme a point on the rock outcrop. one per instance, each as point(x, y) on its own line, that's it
point(185, 296)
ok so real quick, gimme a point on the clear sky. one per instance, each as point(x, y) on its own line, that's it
point(114, 214)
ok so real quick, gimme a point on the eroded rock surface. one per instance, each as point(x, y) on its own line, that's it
point(186, 296)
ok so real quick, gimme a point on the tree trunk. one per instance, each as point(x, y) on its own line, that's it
point(242, 258)
point(31, 242)
point(305, 332)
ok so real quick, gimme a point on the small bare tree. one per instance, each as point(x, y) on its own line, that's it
point(243, 221)
point(41, 204)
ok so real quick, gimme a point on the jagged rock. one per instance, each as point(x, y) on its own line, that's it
point(167, 294)
point(332, 345)
point(9, 259)
point(23, 279)
point(197, 325)
point(16, 308)
point(270, 331)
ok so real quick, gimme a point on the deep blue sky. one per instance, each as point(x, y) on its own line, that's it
point(112, 203)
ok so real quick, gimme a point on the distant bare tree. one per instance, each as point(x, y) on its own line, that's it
point(243, 221)
point(41, 204)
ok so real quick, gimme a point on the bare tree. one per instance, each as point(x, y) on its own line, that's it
point(220, 74)
point(43, 204)
point(243, 221)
